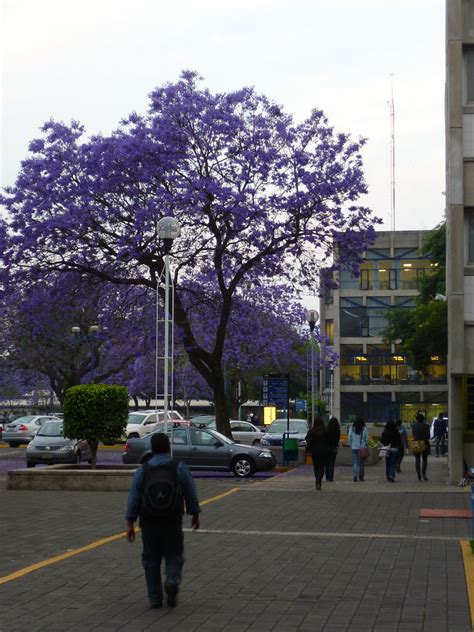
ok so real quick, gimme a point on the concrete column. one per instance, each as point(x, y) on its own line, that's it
point(455, 407)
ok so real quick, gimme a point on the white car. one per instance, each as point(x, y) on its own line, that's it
point(144, 422)
point(243, 432)
point(23, 429)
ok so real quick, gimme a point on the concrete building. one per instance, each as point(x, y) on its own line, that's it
point(460, 230)
point(374, 379)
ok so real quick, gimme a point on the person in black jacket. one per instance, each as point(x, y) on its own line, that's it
point(391, 437)
point(316, 441)
point(333, 436)
point(421, 432)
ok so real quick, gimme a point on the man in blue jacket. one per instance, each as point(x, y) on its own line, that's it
point(162, 537)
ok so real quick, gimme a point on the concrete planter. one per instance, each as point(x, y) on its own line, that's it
point(278, 452)
point(105, 478)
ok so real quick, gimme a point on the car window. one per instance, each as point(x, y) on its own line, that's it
point(238, 427)
point(24, 420)
point(51, 429)
point(180, 437)
point(201, 437)
point(174, 416)
point(135, 419)
point(280, 426)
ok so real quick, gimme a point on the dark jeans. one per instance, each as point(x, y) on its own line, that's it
point(401, 454)
point(440, 440)
point(331, 461)
point(391, 464)
point(161, 541)
point(424, 458)
point(319, 464)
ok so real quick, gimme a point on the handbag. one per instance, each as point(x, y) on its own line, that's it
point(364, 452)
point(384, 452)
point(418, 447)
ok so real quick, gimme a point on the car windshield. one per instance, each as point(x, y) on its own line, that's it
point(51, 429)
point(280, 426)
point(222, 437)
point(135, 419)
point(23, 420)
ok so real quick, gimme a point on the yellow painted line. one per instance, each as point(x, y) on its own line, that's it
point(93, 545)
point(468, 558)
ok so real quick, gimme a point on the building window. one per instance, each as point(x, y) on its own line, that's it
point(353, 318)
point(469, 403)
point(470, 235)
point(377, 314)
point(469, 57)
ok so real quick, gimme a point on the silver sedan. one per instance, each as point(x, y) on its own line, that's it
point(50, 446)
point(23, 429)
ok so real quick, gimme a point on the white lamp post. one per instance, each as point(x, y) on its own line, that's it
point(168, 229)
point(312, 317)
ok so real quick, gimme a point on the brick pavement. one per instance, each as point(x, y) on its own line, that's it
point(276, 555)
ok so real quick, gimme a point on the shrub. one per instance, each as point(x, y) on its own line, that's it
point(95, 412)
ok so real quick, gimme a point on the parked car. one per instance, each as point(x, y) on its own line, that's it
point(242, 432)
point(23, 429)
point(202, 421)
point(274, 433)
point(144, 422)
point(50, 446)
point(204, 449)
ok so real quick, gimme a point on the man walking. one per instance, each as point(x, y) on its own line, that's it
point(440, 430)
point(421, 434)
point(159, 490)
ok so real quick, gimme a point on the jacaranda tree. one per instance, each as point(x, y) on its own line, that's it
point(262, 202)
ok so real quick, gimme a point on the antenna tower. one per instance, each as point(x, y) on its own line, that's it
point(392, 158)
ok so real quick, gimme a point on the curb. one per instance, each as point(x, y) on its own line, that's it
point(468, 559)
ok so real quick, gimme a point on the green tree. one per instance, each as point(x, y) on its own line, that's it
point(423, 330)
point(95, 412)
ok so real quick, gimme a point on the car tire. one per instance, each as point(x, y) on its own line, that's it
point(242, 466)
point(13, 444)
point(29, 464)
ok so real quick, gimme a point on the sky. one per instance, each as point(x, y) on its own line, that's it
point(97, 60)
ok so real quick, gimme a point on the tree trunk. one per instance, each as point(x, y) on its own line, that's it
point(93, 446)
point(135, 401)
point(221, 406)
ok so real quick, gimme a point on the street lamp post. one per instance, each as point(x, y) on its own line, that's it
point(90, 338)
point(168, 229)
point(312, 317)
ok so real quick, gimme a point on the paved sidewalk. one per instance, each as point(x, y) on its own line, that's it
point(274, 555)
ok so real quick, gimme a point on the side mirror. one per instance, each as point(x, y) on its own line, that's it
point(218, 444)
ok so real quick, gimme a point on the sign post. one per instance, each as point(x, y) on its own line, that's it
point(276, 393)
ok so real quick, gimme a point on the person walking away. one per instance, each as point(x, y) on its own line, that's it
point(440, 431)
point(160, 489)
point(391, 437)
point(333, 435)
point(316, 442)
point(404, 435)
point(358, 439)
point(421, 434)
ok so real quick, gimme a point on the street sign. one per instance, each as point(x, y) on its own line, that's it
point(301, 405)
point(275, 390)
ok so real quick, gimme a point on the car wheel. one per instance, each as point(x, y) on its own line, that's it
point(242, 466)
point(133, 435)
point(13, 444)
point(28, 464)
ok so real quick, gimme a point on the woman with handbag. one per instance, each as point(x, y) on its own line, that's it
point(421, 446)
point(333, 435)
point(391, 438)
point(358, 440)
point(316, 442)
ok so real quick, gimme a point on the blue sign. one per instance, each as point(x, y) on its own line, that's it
point(301, 405)
point(275, 390)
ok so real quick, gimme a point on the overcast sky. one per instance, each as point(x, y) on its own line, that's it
point(97, 60)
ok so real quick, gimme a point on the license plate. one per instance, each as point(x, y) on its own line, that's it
point(47, 456)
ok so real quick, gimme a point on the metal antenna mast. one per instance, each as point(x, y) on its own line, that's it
point(392, 157)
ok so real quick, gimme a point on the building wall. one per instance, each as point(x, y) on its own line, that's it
point(460, 229)
point(374, 379)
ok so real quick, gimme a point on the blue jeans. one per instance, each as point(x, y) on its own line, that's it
point(358, 465)
point(161, 541)
point(331, 462)
point(440, 439)
point(391, 464)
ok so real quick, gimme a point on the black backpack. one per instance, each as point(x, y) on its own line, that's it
point(162, 497)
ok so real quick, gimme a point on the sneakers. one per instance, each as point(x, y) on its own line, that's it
point(318, 486)
point(171, 591)
point(158, 604)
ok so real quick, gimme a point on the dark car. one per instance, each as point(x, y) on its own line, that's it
point(50, 446)
point(274, 433)
point(204, 449)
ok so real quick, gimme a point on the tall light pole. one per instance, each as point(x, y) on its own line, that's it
point(90, 338)
point(312, 317)
point(168, 229)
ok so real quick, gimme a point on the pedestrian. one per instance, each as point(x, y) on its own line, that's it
point(333, 436)
point(159, 490)
point(316, 442)
point(440, 433)
point(358, 440)
point(391, 438)
point(404, 435)
point(249, 417)
point(421, 446)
